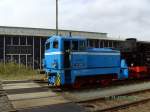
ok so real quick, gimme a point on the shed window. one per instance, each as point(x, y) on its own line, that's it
point(55, 44)
point(91, 43)
point(74, 45)
point(81, 45)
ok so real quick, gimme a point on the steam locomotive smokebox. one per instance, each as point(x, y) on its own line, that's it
point(129, 45)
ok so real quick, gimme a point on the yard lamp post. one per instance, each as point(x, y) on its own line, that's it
point(56, 17)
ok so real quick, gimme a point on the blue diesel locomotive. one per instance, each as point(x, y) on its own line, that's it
point(68, 61)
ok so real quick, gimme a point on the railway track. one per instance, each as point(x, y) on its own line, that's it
point(121, 96)
point(117, 103)
point(31, 96)
point(124, 106)
point(38, 96)
point(102, 92)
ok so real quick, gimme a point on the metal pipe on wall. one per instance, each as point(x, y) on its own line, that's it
point(11, 40)
point(99, 42)
point(19, 53)
point(4, 45)
point(40, 54)
point(33, 53)
point(26, 53)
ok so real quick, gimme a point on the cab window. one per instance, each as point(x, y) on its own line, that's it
point(75, 45)
point(47, 45)
point(81, 45)
point(55, 44)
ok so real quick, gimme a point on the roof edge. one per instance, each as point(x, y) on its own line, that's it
point(51, 29)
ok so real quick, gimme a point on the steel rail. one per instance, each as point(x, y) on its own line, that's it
point(119, 106)
point(123, 106)
point(103, 98)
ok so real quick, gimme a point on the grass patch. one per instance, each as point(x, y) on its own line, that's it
point(12, 71)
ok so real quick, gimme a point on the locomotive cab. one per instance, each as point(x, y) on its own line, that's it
point(59, 59)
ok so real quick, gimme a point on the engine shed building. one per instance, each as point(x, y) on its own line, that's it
point(26, 45)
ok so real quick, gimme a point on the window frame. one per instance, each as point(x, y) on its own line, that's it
point(56, 41)
point(47, 47)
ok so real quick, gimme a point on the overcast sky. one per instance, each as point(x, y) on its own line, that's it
point(124, 18)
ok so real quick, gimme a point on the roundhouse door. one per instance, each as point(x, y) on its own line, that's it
point(67, 47)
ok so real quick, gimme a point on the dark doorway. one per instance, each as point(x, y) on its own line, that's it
point(67, 48)
point(67, 54)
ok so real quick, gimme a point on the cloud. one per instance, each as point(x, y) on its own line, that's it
point(125, 18)
point(30, 13)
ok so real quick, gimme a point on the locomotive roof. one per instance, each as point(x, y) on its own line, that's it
point(66, 38)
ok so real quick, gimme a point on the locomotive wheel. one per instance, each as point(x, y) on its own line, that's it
point(105, 82)
point(78, 83)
